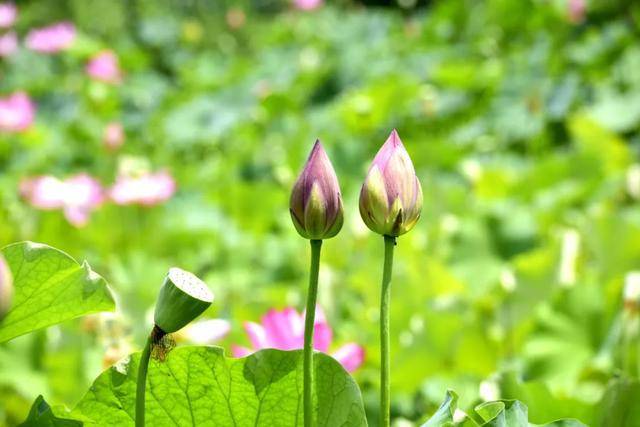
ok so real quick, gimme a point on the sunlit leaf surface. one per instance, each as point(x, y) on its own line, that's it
point(50, 287)
point(198, 386)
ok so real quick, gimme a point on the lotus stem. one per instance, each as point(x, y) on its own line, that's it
point(309, 321)
point(385, 394)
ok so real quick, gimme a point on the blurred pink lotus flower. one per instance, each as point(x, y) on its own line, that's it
point(113, 136)
point(16, 112)
point(8, 14)
point(204, 332)
point(77, 196)
point(307, 4)
point(53, 38)
point(576, 10)
point(284, 330)
point(8, 43)
point(146, 189)
point(104, 67)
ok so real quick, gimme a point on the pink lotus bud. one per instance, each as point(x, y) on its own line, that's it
point(391, 196)
point(51, 39)
point(316, 204)
point(6, 287)
point(8, 14)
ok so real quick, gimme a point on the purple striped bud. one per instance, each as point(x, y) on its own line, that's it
point(6, 287)
point(391, 196)
point(316, 204)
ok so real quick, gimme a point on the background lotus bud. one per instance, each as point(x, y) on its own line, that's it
point(391, 196)
point(316, 204)
point(6, 287)
point(182, 298)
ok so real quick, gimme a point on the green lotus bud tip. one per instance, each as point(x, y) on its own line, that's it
point(391, 196)
point(6, 287)
point(182, 298)
point(316, 204)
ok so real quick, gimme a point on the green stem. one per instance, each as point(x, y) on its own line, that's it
point(309, 321)
point(385, 395)
point(142, 380)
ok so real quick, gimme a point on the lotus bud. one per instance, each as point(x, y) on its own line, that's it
point(391, 196)
point(316, 204)
point(6, 287)
point(182, 298)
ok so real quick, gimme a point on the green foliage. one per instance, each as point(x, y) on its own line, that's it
point(502, 413)
point(50, 287)
point(41, 415)
point(199, 386)
point(444, 415)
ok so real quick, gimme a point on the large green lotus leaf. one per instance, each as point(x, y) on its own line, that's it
point(198, 386)
point(50, 287)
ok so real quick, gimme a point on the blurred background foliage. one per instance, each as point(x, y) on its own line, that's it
point(522, 119)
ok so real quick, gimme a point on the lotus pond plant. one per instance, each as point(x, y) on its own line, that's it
point(390, 205)
point(182, 298)
point(317, 214)
point(262, 385)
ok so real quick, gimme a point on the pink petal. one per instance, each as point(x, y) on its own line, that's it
point(104, 67)
point(147, 189)
point(8, 14)
point(207, 331)
point(322, 337)
point(76, 215)
point(52, 38)
point(83, 190)
point(16, 112)
point(283, 328)
point(322, 333)
point(44, 192)
point(257, 335)
point(350, 356)
point(307, 4)
point(240, 351)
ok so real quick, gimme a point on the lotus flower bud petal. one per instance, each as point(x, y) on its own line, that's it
point(182, 298)
point(316, 203)
point(6, 287)
point(391, 196)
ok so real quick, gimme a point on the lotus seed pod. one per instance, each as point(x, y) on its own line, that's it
point(316, 203)
point(6, 287)
point(182, 298)
point(391, 196)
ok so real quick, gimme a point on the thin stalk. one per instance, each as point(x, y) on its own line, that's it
point(142, 380)
point(309, 321)
point(385, 395)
